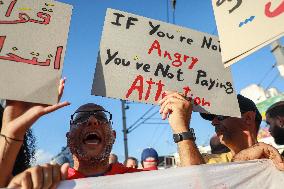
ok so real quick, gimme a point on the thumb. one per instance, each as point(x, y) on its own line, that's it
point(64, 171)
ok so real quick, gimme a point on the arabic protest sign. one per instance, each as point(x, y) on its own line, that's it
point(140, 58)
point(249, 174)
point(246, 26)
point(33, 37)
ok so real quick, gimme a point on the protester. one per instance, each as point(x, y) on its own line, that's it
point(217, 147)
point(275, 118)
point(236, 133)
point(131, 162)
point(90, 141)
point(149, 159)
point(18, 117)
point(113, 158)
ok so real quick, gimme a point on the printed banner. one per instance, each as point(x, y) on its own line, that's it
point(140, 58)
point(249, 174)
point(246, 26)
point(33, 37)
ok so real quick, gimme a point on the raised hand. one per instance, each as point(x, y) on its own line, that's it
point(45, 176)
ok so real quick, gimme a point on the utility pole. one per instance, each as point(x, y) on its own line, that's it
point(125, 131)
point(278, 51)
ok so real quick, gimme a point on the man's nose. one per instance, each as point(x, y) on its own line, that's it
point(93, 121)
point(215, 122)
point(270, 128)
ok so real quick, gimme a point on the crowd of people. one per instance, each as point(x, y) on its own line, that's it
point(91, 137)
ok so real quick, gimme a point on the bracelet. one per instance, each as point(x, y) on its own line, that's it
point(14, 139)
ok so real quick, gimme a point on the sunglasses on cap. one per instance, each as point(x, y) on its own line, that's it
point(221, 118)
point(81, 117)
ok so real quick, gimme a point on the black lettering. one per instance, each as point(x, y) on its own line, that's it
point(211, 85)
point(146, 68)
point(200, 74)
point(230, 89)
point(189, 41)
point(179, 74)
point(153, 28)
point(118, 16)
point(130, 22)
point(170, 37)
point(161, 34)
point(125, 63)
point(110, 57)
point(138, 65)
point(117, 61)
point(204, 83)
point(164, 71)
point(182, 38)
point(205, 42)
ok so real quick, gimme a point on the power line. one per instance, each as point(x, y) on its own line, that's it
point(266, 74)
point(131, 126)
point(174, 2)
point(167, 11)
point(143, 122)
point(273, 80)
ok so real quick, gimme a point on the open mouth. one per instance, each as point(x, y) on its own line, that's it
point(92, 138)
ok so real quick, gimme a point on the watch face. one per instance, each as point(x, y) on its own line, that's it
point(177, 138)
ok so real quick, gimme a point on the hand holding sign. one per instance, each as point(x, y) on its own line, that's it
point(19, 116)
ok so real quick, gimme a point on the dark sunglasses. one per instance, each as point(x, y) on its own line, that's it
point(221, 118)
point(81, 117)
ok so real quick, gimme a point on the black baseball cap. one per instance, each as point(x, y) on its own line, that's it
point(245, 104)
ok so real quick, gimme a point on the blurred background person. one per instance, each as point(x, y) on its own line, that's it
point(131, 162)
point(275, 120)
point(149, 159)
point(113, 158)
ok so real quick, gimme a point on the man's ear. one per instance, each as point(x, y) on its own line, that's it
point(249, 117)
point(114, 135)
point(67, 134)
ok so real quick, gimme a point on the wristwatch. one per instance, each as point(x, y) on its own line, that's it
point(189, 135)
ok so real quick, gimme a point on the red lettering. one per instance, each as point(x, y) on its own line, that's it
point(204, 103)
point(279, 10)
point(150, 83)
point(2, 40)
point(168, 55)
point(186, 90)
point(177, 62)
point(197, 101)
point(155, 45)
point(185, 57)
point(159, 90)
point(193, 62)
point(134, 86)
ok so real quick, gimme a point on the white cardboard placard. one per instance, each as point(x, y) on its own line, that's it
point(246, 26)
point(140, 58)
point(33, 38)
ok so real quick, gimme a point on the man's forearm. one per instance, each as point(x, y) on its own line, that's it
point(8, 153)
point(189, 153)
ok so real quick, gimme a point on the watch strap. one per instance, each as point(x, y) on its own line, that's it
point(189, 135)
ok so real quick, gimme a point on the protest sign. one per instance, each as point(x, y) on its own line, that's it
point(250, 174)
point(33, 38)
point(140, 58)
point(246, 26)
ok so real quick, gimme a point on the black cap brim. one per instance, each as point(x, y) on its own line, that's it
point(208, 117)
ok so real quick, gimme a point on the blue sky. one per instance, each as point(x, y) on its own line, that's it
point(80, 61)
